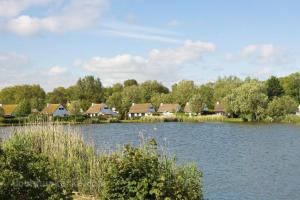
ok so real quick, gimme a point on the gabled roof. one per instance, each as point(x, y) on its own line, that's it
point(9, 109)
point(168, 108)
point(141, 108)
point(187, 108)
point(219, 107)
point(95, 108)
point(50, 109)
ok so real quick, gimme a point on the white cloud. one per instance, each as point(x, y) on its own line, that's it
point(11, 8)
point(57, 70)
point(263, 54)
point(77, 14)
point(159, 64)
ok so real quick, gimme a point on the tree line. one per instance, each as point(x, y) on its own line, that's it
point(248, 98)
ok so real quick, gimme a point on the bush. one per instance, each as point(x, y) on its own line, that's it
point(142, 173)
point(26, 174)
point(279, 107)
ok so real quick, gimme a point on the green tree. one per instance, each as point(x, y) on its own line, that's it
point(291, 86)
point(59, 95)
point(130, 82)
point(115, 101)
point(74, 108)
point(23, 108)
point(207, 95)
point(197, 103)
point(149, 88)
point(183, 91)
point(224, 86)
point(89, 89)
point(248, 101)
point(32, 93)
point(131, 94)
point(274, 88)
point(158, 98)
point(281, 106)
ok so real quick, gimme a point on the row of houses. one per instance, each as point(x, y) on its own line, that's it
point(147, 109)
point(58, 110)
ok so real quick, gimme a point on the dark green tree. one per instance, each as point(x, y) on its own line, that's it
point(149, 88)
point(59, 95)
point(279, 107)
point(291, 85)
point(274, 88)
point(130, 82)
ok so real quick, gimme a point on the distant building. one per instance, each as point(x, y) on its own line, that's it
point(100, 110)
point(9, 109)
point(55, 110)
point(219, 109)
point(140, 110)
point(168, 109)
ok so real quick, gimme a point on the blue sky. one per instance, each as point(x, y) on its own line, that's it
point(54, 42)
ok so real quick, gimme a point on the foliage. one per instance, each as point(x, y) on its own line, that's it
point(291, 85)
point(130, 173)
point(59, 95)
point(281, 106)
point(224, 86)
point(197, 103)
point(89, 89)
point(1, 111)
point(23, 108)
point(74, 108)
point(32, 93)
point(149, 88)
point(130, 94)
point(183, 91)
point(159, 98)
point(142, 173)
point(27, 174)
point(247, 101)
point(115, 101)
point(206, 92)
point(130, 82)
point(274, 88)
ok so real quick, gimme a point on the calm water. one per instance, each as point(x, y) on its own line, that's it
point(239, 161)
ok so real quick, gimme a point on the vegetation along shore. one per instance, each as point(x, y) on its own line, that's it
point(53, 162)
point(229, 99)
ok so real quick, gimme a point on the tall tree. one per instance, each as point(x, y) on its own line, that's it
point(281, 106)
point(224, 86)
point(197, 103)
point(59, 95)
point(248, 101)
point(89, 89)
point(149, 88)
point(206, 92)
point(274, 88)
point(183, 91)
point(130, 82)
point(130, 95)
point(158, 98)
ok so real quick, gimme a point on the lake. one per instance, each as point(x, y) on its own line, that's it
point(239, 161)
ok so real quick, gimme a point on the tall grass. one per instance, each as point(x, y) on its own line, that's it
point(80, 168)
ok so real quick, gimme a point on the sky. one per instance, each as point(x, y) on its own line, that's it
point(54, 42)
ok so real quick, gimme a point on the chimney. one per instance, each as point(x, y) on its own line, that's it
point(48, 104)
point(1, 105)
point(218, 103)
point(132, 104)
point(161, 104)
point(93, 104)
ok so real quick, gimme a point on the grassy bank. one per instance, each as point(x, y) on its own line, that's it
point(143, 172)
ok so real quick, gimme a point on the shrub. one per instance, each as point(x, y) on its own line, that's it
point(143, 173)
point(26, 174)
point(279, 107)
